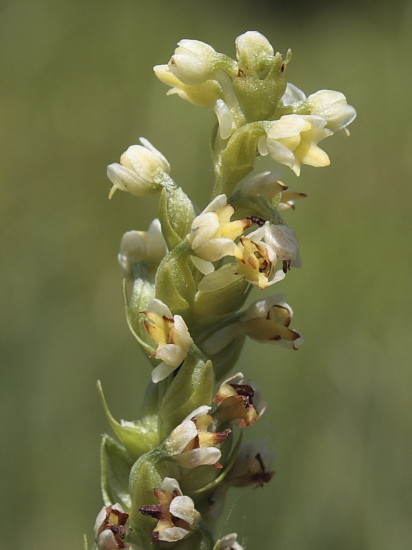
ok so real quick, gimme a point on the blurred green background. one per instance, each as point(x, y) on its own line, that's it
point(76, 89)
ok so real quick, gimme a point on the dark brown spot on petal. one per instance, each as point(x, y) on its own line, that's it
point(257, 220)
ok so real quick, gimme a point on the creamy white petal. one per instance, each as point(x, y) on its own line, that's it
point(183, 507)
point(161, 371)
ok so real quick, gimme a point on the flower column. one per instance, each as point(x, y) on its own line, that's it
point(185, 284)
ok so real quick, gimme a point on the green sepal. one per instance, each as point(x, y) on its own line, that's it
point(138, 437)
point(115, 463)
point(176, 214)
point(146, 474)
point(192, 387)
point(255, 205)
point(142, 292)
point(175, 285)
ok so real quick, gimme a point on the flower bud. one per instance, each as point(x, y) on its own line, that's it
point(142, 247)
point(193, 62)
point(142, 171)
point(254, 53)
point(333, 107)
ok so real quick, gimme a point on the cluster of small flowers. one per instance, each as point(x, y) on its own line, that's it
point(185, 282)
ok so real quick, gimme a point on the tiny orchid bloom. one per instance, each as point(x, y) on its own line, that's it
point(265, 320)
point(172, 336)
point(228, 542)
point(268, 320)
point(192, 445)
point(110, 528)
point(148, 247)
point(212, 234)
point(176, 513)
point(256, 262)
point(239, 401)
point(252, 466)
point(292, 140)
point(282, 240)
point(142, 171)
point(193, 62)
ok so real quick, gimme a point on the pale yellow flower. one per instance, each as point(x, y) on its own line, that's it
point(292, 140)
point(172, 336)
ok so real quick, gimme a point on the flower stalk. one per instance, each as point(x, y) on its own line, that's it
point(186, 281)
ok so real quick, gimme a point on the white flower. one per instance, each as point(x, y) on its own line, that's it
point(268, 320)
point(176, 513)
point(265, 320)
point(212, 234)
point(282, 240)
point(110, 528)
point(256, 260)
point(193, 62)
point(292, 140)
point(191, 444)
point(142, 171)
point(172, 336)
point(229, 542)
point(147, 247)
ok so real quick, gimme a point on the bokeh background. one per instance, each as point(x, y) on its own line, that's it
point(76, 89)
